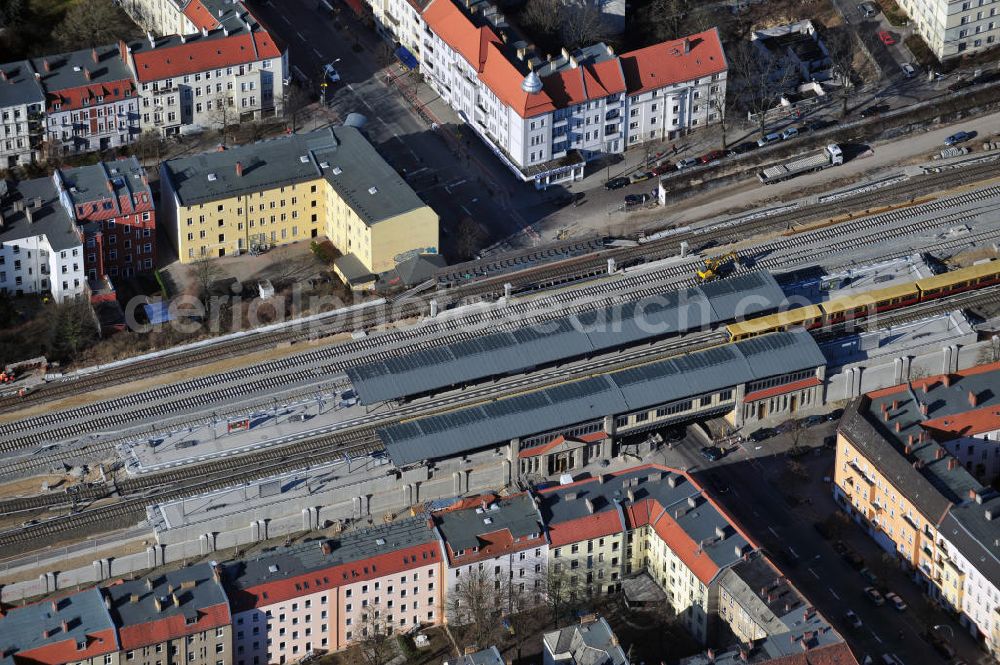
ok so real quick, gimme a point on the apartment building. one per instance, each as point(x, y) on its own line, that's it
point(647, 519)
point(545, 117)
point(913, 466)
point(488, 540)
point(591, 642)
point(223, 75)
point(401, 22)
point(325, 595)
point(74, 629)
point(112, 204)
point(22, 108)
point(180, 617)
point(176, 17)
point(91, 102)
point(330, 182)
point(41, 249)
point(953, 28)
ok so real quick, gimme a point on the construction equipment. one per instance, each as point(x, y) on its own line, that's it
point(717, 266)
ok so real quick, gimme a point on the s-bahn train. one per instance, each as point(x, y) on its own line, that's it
point(864, 304)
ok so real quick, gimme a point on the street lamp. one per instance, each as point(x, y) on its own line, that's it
point(941, 626)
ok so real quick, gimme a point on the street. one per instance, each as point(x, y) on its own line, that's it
point(756, 487)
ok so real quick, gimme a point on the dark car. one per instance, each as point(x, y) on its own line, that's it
point(874, 596)
point(812, 421)
point(763, 434)
point(742, 148)
point(852, 619)
point(617, 183)
point(675, 434)
point(957, 137)
point(816, 125)
point(873, 111)
point(836, 414)
point(637, 199)
point(662, 167)
point(711, 453)
point(711, 156)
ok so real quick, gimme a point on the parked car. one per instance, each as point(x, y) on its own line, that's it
point(957, 137)
point(822, 123)
point(852, 619)
point(908, 70)
point(348, 398)
point(872, 111)
point(885, 38)
point(687, 163)
point(712, 453)
point(640, 176)
point(874, 596)
point(895, 601)
point(712, 156)
point(763, 434)
point(742, 148)
point(661, 168)
point(870, 576)
point(770, 138)
point(330, 73)
point(637, 199)
point(868, 9)
point(789, 133)
point(616, 183)
point(812, 421)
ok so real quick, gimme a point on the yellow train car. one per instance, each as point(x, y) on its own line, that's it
point(963, 279)
point(805, 317)
point(876, 300)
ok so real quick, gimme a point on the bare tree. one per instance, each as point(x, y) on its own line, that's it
point(221, 112)
point(470, 237)
point(721, 104)
point(91, 23)
point(542, 16)
point(563, 593)
point(204, 273)
point(376, 641)
point(665, 17)
point(582, 24)
point(475, 604)
point(758, 80)
point(840, 45)
point(295, 105)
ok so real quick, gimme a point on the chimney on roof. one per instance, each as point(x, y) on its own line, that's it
point(952, 463)
point(149, 583)
point(946, 380)
point(55, 606)
point(687, 45)
point(939, 453)
point(188, 584)
point(611, 51)
point(590, 505)
point(183, 39)
point(30, 214)
point(46, 633)
point(899, 426)
point(239, 169)
point(565, 53)
point(3, 74)
point(47, 65)
point(326, 547)
point(973, 399)
point(134, 598)
point(220, 13)
point(885, 415)
point(926, 387)
point(744, 654)
point(152, 42)
point(924, 409)
point(895, 404)
point(720, 532)
point(693, 502)
point(175, 599)
point(158, 603)
point(94, 56)
point(672, 481)
point(204, 32)
point(573, 63)
point(170, 588)
point(65, 626)
point(711, 654)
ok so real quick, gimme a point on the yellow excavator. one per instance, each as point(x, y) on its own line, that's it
point(718, 266)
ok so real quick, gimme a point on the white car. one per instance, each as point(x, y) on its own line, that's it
point(687, 163)
point(895, 601)
point(330, 73)
point(908, 70)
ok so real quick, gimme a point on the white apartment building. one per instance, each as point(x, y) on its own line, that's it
point(22, 105)
point(499, 541)
point(230, 74)
point(955, 27)
point(545, 118)
point(401, 22)
point(176, 17)
point(91, 101)
point(41, 249)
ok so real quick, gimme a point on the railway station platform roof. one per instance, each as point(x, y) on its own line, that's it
point(503, 353)
point(464, 430)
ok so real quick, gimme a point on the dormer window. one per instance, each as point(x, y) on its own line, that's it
point(57, 106)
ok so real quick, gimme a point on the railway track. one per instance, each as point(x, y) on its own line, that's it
point(567, 271)
point(274, 374)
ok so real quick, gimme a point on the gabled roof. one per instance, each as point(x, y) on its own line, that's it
point(70, 78)
point(492, 529)
point(174, 55)
point(18, 84)
point(458, 31)
point(58, 631)
point(675, 61)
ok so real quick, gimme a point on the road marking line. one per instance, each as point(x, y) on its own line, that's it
point(814, 573)
point(771, 529)
point(318, 54)
point(285, 19)
point(834, 594)
point(794, 553)
point(877, 638)
point(299, 34)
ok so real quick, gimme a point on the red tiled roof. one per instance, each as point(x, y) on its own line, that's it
point(686, 549)
point(545, 447)
point(65, 651)
point(967, 423)
point(200, 15)
point(586, 82)
point(458, 31)
point(171, 627)
point(71, 99)
point(831, 654)
point(200, 54)
point(504, 79)
point(587, 527)
point(667, 63)
point(782, 389)
point(934, 381)
point(371, 568)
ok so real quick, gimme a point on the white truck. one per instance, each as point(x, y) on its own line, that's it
point(831, 155)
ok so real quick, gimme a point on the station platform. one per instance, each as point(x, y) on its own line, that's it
point(912, 338)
